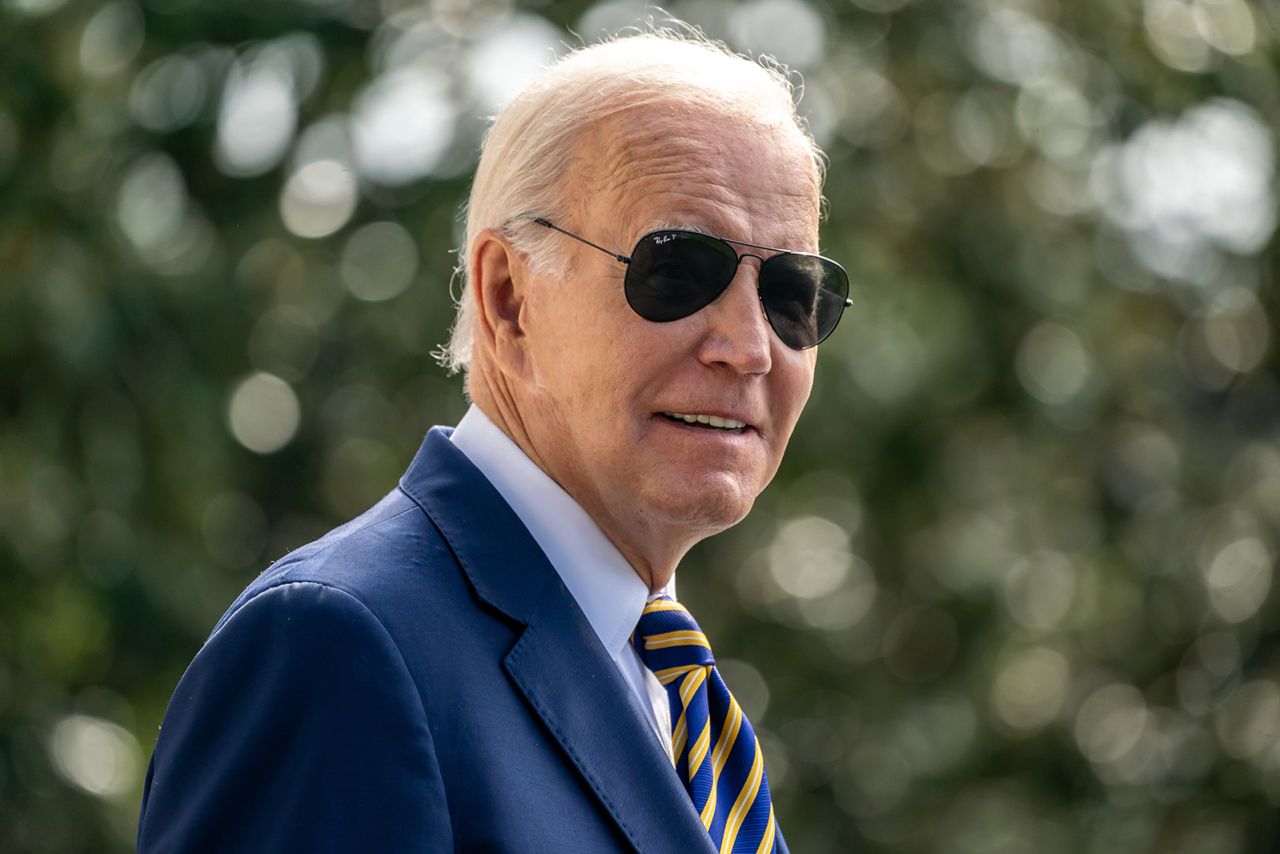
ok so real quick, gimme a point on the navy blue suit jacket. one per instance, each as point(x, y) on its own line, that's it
point(420, 679)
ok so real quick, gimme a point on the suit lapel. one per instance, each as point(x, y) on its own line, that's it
point(503, 562)
point(558, 663)
point(574, 686)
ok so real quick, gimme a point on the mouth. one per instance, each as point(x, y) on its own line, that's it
point(708, 422)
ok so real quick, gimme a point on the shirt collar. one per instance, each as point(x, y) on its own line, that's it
point(606, 588)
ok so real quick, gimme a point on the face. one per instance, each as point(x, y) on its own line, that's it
point(605, 382)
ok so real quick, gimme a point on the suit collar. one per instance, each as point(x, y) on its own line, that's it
point(558, 662)
point(602, 582)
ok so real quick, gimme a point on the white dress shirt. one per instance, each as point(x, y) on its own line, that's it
point(605, 586)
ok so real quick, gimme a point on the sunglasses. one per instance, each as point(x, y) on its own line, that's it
point(673, 273)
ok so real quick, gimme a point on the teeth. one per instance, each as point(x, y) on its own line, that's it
point(709, 420)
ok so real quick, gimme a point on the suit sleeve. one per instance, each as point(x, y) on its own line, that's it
point(296, 728)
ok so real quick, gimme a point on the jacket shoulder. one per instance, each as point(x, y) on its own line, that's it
point(267, 739)
point(373, 559)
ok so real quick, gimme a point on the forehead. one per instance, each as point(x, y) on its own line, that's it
point(674, 165)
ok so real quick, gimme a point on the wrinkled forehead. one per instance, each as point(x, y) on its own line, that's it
point(677, 165)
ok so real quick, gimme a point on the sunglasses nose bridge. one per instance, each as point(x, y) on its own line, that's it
point(758, 267)
point(757, 298)
point(738, 265)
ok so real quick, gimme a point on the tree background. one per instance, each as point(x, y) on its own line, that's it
point(1012, 589)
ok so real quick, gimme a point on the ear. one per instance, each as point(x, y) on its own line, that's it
point(499, 285)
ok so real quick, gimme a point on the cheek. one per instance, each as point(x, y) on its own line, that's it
point(797, 374)
point(576, 359)
point(794, 383)
point(553, 335)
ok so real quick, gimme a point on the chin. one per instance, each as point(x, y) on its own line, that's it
point(711, 507)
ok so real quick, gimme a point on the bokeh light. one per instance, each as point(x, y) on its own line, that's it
point(1183, 190)
point(318, 199)
point(111, 38)
point(263, 413)
point(379, 261)
point(257, 117)
point(790, 30)
point(1030, 688)
point(96, 756)
point(810, 557)
point(169, 93)
point(402, 125)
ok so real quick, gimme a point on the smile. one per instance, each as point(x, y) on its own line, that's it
point(715, 421)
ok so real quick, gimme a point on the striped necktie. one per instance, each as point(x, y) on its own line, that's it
point(715, 749)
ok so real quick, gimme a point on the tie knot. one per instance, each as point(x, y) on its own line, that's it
point(669, 639)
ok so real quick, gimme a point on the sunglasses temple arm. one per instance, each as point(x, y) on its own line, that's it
point(545, 223)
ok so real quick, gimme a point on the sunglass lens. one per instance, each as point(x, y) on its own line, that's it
point(675, 273)
point(803, 296)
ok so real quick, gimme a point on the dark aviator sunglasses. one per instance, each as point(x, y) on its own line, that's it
point(673, 273)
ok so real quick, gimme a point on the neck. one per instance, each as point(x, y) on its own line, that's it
point(663, 546)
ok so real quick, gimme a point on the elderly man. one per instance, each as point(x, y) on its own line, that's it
point(492, 658)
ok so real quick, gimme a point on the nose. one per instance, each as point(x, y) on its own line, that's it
point(738, 333)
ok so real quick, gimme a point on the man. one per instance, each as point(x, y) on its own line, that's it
point(492, 659)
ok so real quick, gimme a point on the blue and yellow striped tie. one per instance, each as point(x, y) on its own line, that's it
point(715, 749)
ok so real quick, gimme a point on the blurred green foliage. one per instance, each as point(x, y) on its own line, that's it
point(1012, 590)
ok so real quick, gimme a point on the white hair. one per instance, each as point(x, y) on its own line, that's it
point(530, 146)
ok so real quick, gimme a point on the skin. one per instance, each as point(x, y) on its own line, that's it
point(579, 381)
